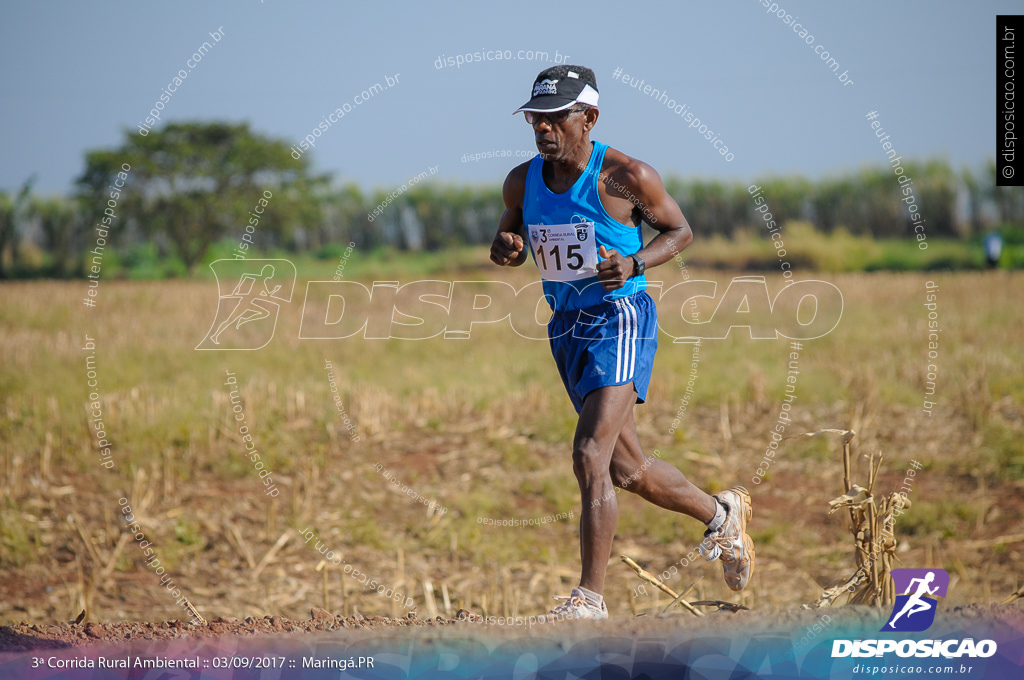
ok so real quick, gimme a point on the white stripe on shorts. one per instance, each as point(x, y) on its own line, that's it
point(625, 355)
point(618, 345)
point(636, 330)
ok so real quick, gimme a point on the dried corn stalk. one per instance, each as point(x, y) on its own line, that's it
point(873, 525)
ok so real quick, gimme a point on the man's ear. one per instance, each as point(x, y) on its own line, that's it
point(591, 115)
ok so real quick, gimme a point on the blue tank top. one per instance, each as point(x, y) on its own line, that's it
point(581, 202)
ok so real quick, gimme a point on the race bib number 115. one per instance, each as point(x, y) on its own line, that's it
point(564, 252)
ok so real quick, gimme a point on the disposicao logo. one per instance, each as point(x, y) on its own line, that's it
point(250, 292)
point(914, 611)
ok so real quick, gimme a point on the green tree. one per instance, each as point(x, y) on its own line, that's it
point(831, 200)
point(974, 186)
point(61, 221)
point(343, 218)
point(6, 229)
point(12, 214)
point(935, 194)
point(711, 207)
point(196, 183)
point(878, 209)
point(788, 200)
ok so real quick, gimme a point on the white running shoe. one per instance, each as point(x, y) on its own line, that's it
point(731, 541)
point(577, 608)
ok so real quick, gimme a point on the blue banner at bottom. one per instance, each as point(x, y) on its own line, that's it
point(609, 650)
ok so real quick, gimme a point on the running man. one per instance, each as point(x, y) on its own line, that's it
point(249, 307)
point(578, 207)
point(916, 603)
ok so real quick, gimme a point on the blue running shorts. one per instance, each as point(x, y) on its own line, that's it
point(612, 343)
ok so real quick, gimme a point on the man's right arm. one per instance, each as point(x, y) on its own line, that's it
point(507, 249)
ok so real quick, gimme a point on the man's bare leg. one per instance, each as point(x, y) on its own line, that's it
point(655, 480)
point(665, 486)
point(605, 412)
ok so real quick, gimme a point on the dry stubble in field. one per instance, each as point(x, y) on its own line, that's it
point(480, 427)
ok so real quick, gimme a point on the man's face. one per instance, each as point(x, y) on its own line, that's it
point(556, 139)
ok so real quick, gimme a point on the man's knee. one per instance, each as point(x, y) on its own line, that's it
point(587, 458)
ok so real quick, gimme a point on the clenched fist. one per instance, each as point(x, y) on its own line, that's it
point(507, 249)
point(614, 270)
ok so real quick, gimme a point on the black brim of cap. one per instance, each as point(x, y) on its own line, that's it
point(547, 103)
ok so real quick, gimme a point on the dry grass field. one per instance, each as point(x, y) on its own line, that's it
point(477, 429)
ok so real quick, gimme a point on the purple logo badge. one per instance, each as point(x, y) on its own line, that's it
point(914, 609)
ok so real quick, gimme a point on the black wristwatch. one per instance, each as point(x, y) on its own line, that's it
point(638, 265)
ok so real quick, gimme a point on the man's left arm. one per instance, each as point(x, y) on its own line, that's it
point(657, 209)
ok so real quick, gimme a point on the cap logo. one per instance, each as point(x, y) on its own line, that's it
point(545, 87)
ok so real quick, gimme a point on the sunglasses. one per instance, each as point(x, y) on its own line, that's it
point(553, 117)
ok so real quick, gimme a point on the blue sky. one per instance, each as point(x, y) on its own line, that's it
point(77, 74)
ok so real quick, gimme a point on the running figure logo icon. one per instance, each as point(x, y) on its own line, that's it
point(914, 610)
point(247, 316)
